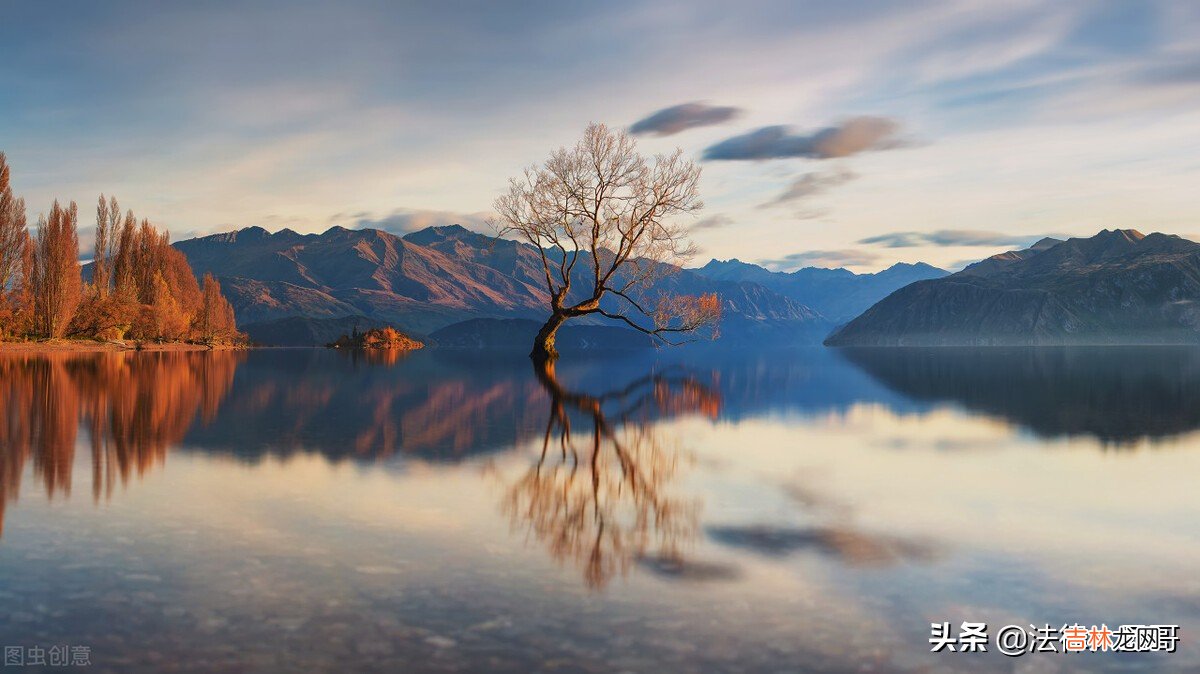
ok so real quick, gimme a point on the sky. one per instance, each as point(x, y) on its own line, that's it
point(855, 134)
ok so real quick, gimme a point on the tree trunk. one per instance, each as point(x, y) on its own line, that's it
point(543, 345)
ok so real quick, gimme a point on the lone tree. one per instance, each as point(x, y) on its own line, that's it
point(601, 216)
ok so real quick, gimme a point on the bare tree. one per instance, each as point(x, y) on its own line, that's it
point(601, 217)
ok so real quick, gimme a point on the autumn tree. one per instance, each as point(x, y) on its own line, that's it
point(56, 283)
point(602, 217)
point(155, 287)
point(141, 286)
point(124, 279)
point(214, 323)
point(101, 313)
point(157, 279)
point(169, 319)
point(14, 249)
point(108, 224)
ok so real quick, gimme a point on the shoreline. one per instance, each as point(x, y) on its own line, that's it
point(88, 346)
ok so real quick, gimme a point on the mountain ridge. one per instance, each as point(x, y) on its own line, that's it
point(1117, 287)
point(838, 294)
point(433, 278)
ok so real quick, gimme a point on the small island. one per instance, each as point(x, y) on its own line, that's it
point(376, 338)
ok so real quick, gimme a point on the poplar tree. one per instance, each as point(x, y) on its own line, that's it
point(13, 242)
point(56, 283)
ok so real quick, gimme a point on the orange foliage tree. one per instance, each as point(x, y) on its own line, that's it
point(214, 323)
point(56, 281)
point(140, 288)
point(154, 293)
point(15, 249)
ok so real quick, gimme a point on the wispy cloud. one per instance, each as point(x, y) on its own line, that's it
point(951, 237)
point(716, 221)
point(852, 136)
point(811, 184)
point(823, 258)
point(404, 220)
point(672, 120)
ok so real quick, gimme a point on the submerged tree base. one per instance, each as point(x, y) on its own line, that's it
point(544, 350)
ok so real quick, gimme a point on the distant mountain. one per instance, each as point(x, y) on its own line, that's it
point(837, 294)
point(431, 279)
point(1117, 287)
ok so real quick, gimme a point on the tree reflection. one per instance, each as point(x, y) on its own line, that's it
point(133, 406)
point(599, 494)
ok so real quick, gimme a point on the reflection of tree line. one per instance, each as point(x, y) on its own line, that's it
point(599, 494)
point(293, 401)
point(134, 407)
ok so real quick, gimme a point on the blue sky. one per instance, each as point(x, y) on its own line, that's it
point(851, 133)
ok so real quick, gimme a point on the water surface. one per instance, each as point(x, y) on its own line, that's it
point(685, 511)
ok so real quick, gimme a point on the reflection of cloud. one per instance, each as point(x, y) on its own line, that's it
point(811, 184)
point(849, 546)
point(712, 222)
point(689, 570)
point(682, 117)
point(823, 258)
point(854, 135)
point(951, 237)
point(813, 500)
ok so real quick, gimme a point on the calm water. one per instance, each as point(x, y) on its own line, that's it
point(689, 511)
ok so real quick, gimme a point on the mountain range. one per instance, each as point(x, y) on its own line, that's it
point(1117, 287)
point(837, 294)
point(315, 284)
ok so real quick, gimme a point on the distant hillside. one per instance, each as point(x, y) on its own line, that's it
point(837, 294)
point(431, 279)
point(1117, 287)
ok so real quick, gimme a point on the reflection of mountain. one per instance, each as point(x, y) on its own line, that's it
point(448, 405)
point(134, 406)
point(1116, 394)
point(599, 494)
point(453, 405)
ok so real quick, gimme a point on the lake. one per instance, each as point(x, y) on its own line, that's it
point(698, 510)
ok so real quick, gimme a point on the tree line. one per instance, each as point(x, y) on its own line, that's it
point(140, 288)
